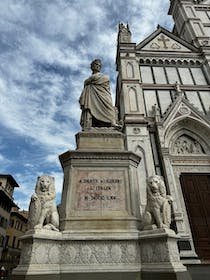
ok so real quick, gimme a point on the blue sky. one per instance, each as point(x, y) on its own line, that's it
point(46, 47)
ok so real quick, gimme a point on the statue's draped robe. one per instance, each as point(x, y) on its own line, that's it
point(96, 98)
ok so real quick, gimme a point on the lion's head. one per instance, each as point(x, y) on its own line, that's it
point(45, 183)
point(156, 184)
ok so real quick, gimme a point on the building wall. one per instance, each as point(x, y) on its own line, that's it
point(17, 227)
point(192, 20)
point(4, 216)
point(163, 95)
point(4, 221)
point(189, 75)
point(7, 185)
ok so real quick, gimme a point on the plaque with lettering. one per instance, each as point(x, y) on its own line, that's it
point(100, 190)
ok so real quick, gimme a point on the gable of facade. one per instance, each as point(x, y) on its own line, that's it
point(163, 40)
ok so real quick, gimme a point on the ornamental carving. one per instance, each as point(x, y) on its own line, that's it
point(116, 253)
point(157, 252)
point(54, 254)
point(81, 253)
point(136, 130)
point(187, 145)
point(69, 254)
point(131, 252)
point(42, 254)
point(26, 253)
point(100, 253)
point(85, 254)
point(184, 110)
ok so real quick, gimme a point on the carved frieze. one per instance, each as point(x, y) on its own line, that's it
point(116, 253)
point(187, 145)
point(81, 252)
point(26, 253)
point(105, 252)
point(154, 252)
point(159, 252)
point(41, 252)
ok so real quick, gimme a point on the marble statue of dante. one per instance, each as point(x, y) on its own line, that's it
point(95, 100)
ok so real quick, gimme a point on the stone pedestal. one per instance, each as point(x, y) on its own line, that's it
point(99, 216)
point(100, 139)
point(100, 188)
point(51, 255)
point(160, 257)
point(99, 208)
point(40, 255)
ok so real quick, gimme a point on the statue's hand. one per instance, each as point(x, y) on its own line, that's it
point(89, 81)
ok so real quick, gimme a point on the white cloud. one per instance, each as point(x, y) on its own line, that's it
point(28, 165)
point(34, 106)
point(4, 164)
point(2, 158)
point(53, 159)
point(58, 182)
point(46, 50)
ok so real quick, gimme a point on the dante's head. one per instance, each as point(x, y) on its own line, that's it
point(96, 65)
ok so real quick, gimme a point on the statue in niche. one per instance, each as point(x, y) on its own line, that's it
point(187, 145)
point(95, 100)
point(42, 209)
point(158, 209)
point(156, 112)
point(124, 35)
point(177, 88)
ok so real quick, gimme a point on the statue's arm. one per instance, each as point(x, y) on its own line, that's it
point(89, 81)
point(97, 79)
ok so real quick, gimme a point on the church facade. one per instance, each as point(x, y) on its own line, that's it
point(163, 96)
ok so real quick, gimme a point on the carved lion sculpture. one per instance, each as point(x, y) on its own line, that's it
point(158, 209)
point(42, 210)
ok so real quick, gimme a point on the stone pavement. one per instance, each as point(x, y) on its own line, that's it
point(199, 271)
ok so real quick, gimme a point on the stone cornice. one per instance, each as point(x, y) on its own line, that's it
point(68, 156)
point(99, 134)
point(190, 159)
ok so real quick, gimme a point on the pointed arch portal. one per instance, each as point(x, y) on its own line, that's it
point(196, 192)
point(187, 164)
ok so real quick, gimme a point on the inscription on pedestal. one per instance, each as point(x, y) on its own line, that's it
point(100, 190)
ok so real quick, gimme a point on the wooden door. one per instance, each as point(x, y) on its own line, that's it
point(196, 192)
